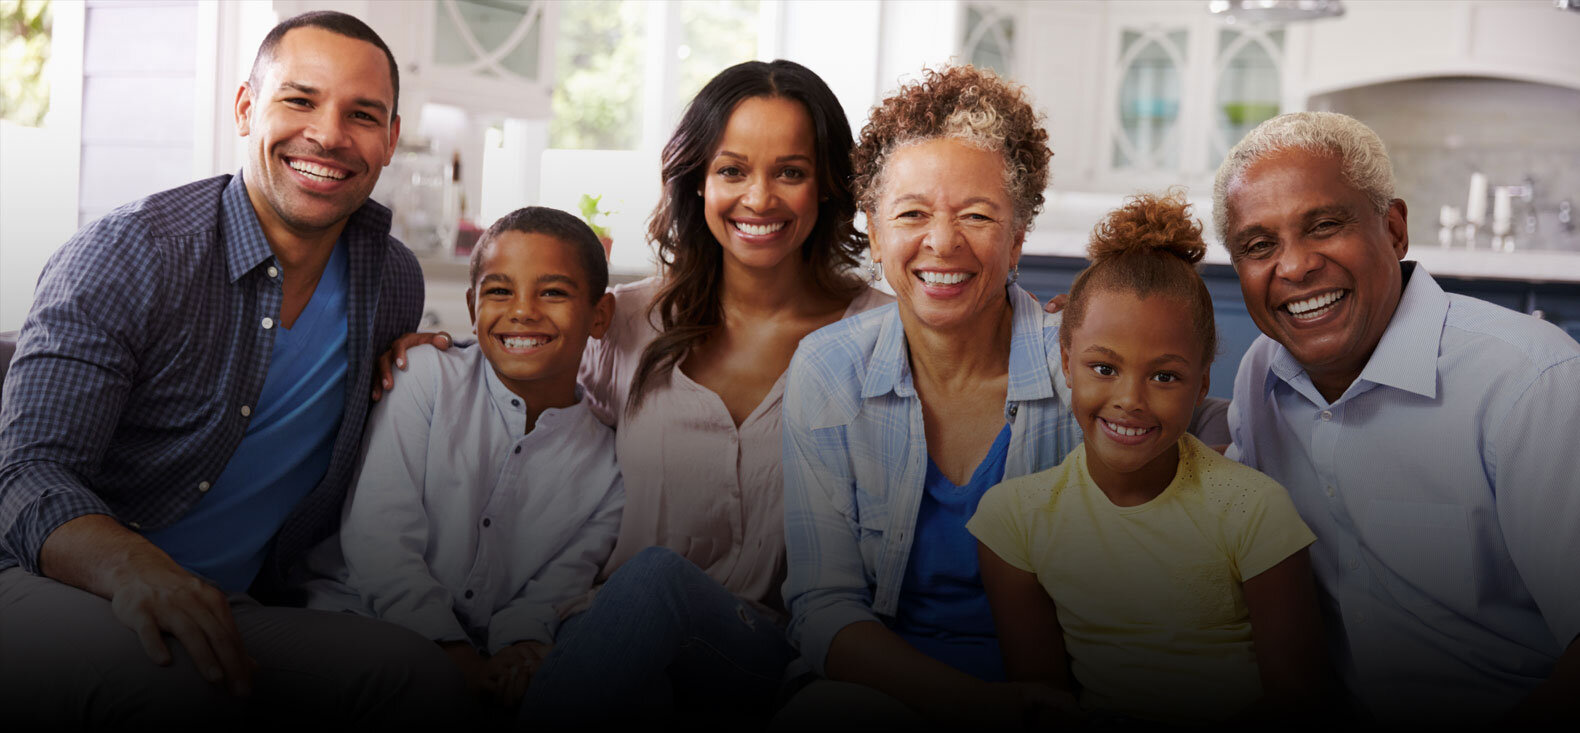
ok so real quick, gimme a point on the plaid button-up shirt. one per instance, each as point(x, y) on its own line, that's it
point(855, 459)
point(150, 330)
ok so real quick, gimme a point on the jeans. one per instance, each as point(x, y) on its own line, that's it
point(660, 638)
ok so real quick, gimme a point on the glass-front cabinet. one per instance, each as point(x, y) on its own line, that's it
point(1180, 90)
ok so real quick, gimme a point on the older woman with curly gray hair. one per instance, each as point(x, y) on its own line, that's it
point(897, 420)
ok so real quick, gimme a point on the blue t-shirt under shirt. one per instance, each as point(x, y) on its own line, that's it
point(286, 448)
point(943, 611)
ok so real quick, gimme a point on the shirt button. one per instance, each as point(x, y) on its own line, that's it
point(1327, 415)
point(268, 323)
point(204, 486)
point(469, 595)
point(246, 410)
point(487, 521)
point(134, 525)
point(518, 449)
point(274, 271)
point(1013, 409)
point(515, 403)
point(1330, 490)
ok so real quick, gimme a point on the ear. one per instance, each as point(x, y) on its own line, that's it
point(394, 139)
point(1014, 250)
point(1064, 360)
point(874, 245)
point(471, 307)
point(603, 315)
point(1206, 381)
point(1398, 232)
point(244, 102)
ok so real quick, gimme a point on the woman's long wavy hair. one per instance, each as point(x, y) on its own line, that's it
point(691, 260)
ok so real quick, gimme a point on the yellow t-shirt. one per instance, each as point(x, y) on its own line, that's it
point(1149, 596)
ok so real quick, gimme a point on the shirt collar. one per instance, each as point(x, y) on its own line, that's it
point(246, 247)
point(1029, 378)
point(1406, 355)
point(514, 409)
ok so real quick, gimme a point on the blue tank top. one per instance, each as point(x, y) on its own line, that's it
point(943, 611)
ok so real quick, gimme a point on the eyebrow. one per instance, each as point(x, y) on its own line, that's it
point(312, 91)
point(920, 198)
point(1164, 359)
point(493, 276)
point(780, 159)
point(558, 278)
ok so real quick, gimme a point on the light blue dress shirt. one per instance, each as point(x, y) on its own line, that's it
point(855, 460)
point(1444, 490)
point(461, 524)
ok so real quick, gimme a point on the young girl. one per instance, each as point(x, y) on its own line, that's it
point(1173, 583)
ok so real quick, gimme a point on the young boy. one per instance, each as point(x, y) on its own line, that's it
point(488, 492)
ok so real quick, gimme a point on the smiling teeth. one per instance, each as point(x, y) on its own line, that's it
point(943, 278)
point(316, 171)
point(1313, 307)
point(1127, 432)
point(523, 342)
point(759, 229)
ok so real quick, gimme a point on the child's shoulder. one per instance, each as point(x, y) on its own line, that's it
point(1041, 489)
point(1223, 480)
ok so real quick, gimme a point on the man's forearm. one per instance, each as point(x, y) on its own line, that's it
point(868, 653)
point(90, 552)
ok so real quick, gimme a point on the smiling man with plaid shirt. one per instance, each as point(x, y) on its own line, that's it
point(182, 419)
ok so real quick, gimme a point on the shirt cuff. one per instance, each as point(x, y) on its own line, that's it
point(58, 503)
point(513, 625)
point(818, 630)
point(435, 623)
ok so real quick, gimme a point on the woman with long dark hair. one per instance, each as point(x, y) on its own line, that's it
point(757, 248)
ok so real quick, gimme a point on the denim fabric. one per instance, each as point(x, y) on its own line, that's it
point(660, 633)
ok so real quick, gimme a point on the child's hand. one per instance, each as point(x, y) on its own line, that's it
point(1056, 303)
point(1035, 705)
point(384, 369)
point(473, 668)
point(511, 670)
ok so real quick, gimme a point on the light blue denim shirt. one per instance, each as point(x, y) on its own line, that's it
point(855, 457)
point(1444, 490)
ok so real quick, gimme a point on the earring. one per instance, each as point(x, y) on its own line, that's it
point(1014, 273)
point(874, 271)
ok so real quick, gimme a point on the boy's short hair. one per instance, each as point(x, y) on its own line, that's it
point(553, 223)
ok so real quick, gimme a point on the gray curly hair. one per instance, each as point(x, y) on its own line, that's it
point(1362, 156)
point(966, 103)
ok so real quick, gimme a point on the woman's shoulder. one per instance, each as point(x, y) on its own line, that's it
point(850, 341)
point(867, 299)
point(632, 326)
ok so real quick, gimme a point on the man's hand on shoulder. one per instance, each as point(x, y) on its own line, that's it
point(151, 595)
point(389, 361)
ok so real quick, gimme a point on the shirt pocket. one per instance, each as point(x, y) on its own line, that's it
point(1424, 551)
point(872, 526)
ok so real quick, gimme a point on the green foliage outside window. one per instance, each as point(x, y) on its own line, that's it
point(597, 99)
point(24, 49)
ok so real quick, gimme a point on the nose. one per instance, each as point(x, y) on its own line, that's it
point(943, 236)
point(524, 309)
point(1130, 394)
point(758, 193)
point(328, 129)
point(1295, 260)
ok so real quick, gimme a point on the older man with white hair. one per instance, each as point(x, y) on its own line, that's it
point(1427, 438)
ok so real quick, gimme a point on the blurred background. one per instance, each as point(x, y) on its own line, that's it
point(507, 103)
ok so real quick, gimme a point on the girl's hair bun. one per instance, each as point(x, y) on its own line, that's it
point(1149, 223)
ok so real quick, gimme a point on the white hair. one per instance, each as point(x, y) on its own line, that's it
point(1362, 157)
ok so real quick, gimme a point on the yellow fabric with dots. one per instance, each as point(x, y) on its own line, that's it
point(1149, 596)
